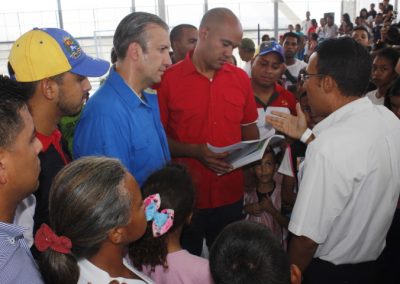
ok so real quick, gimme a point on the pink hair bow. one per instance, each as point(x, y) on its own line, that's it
point(163, 220)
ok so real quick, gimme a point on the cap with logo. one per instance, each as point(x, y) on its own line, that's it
point(42, 53)
point(271, 46)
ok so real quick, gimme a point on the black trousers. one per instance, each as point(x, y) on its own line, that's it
point(389, 261)
point(323, 272)
point(208, 223)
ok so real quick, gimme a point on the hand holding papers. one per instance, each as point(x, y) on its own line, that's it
point(246, 152)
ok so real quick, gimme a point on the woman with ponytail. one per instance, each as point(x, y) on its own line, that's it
point(96, 210)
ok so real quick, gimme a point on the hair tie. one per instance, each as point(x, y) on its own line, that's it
point(45, 238)
point(162, 221)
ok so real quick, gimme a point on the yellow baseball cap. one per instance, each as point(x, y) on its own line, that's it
point(42, 53)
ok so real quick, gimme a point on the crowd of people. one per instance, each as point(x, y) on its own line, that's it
point(122, 187)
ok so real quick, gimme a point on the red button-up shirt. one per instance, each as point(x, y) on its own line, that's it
point(284, 99)
point(197, 110)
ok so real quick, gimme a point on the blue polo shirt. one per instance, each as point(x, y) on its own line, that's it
point(117, 123)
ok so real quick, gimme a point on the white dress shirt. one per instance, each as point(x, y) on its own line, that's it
point(350, 183)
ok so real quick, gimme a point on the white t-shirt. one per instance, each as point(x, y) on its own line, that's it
point(306, 25)
point(247, 68)
point(90, 273)
point(350, 183)
point(294, 69)
point(372, 96)
point(331, 31)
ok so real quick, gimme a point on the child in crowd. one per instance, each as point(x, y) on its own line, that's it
point(362, 36)
point(169, 205)
point(262, 203)
point(247, 252)
point(383, 74)
point(96, 210)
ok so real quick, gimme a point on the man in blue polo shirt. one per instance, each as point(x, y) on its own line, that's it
point(122, 119)
point(19, 177)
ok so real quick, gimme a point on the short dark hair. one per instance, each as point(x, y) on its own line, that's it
point(176, 32)
point(247, 252)
point(29, 88)
point(11, 102)
point(390, 54)
point(347, 62)
point(362, 28)
point(291, 34)
point(132, 28)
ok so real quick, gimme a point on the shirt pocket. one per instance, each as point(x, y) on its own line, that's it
point(234, 105)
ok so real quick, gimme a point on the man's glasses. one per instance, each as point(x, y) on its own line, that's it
point(304, 76)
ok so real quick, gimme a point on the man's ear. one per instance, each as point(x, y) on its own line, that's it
point(3, 172)
point(49, 88)
point(328, 84)
point(295, 274)
point(203, 32)
point(116, 235)
point(134, 51)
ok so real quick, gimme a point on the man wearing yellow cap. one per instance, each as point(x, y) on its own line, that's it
point(52, 67)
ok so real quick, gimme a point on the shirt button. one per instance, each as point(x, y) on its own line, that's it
point(11, 240)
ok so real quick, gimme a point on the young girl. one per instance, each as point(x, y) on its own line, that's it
point(169, 205)
point(96, 210)
point(263, 202)
point(383, 74)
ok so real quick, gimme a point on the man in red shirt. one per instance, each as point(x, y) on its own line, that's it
point(267, 68)
point(204, 100)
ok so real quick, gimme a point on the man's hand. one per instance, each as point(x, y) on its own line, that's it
point(290, 125)
point(211, 160)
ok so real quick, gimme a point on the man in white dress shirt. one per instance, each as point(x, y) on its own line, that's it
point(349, 181)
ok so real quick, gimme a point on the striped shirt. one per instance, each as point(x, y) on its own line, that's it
point(16, 262)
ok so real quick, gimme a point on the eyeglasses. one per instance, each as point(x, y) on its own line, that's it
point(305, 76)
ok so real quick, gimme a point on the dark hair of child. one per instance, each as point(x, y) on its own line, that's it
point(247, 252)
point(277, 156)
point(175, 187)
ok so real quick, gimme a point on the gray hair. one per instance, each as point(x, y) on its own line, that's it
point(87, 200)
point(132, 28)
